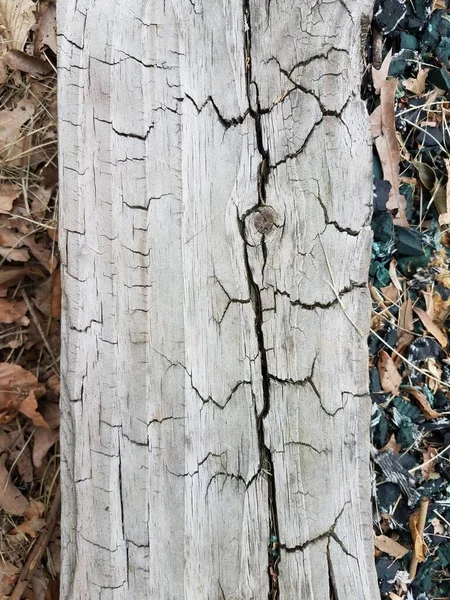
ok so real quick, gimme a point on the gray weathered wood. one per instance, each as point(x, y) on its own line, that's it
point(215, 386)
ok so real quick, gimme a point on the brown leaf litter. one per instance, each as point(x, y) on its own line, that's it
point(29, 303)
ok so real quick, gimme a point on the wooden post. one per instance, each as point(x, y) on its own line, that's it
point(215, 165)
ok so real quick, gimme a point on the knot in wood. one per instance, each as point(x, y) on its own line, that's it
point(264, 219)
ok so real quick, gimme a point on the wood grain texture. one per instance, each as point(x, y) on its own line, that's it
point(215, 207)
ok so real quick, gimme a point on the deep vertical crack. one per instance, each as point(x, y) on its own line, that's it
point(332, 584)
point(266, 462)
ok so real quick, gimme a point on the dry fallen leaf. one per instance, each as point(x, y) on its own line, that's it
point(16, 20)
point(427, 467)
point(428, 297)
point(390, 546)
point(11, 499)
point(43, 440)
point(16, 255)
point(8, 193)
point(9, 276)
point(54, 387)
point(42, 297)
point(386, 143)
point(424, 405)
point(379, 76)
point(33, 522)
point(39, 203)
point(8, 578)
point(13, 312)
point(16, 384)
point(391, 445)
point(11, 123)
point(391, 293)
point(28, 407)
point(436, 372)
point(441, 308)
point(389, 376)
point(394, 275)
point(46, 33)
point(30, 528)
point(439, 5)
point(420, 548)
point(405, 326)
point(417, 84)
point(431, 327)
point(21, 61)
point(45, 256)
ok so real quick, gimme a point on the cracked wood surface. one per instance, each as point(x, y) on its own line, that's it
point(215, 191)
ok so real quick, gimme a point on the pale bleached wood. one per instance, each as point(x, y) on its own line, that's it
point(215, 389)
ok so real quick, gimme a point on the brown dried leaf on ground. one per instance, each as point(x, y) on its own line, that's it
point(11, 123)
point(33, 522)
point(417, 84)
point(42, 296)
point(29, 408)
point(423, 403)
point(39, 203)
point(21, 61)
point(46, 33)
point(13, 312)
point(11, 499)
point(391, 293)
point(431, 327)
point(41, 247)
point(389, 376)
point(8, 577)
point(10, 276)
point(384, 133)
point(20, 456)
point(54, 388)
point(434, 369)
point(16, 20)
point(38, 585)
point(16, 384)
point(16, 255)
point(391, 445)
point(420, 548)
point(439, 5)
point(390, 546)
point(405, 327)
point(43, 440)
point(379, 76)
point(428, 463)
point(8, 193)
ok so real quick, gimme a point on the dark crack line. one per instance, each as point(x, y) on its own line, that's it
point(317, 538)
point(233, 476)
point(210, 399)
point(226, 123)
point(331, 579)
point(342, 546)
point(293, 155)
point(323, 305)
point(266, 462)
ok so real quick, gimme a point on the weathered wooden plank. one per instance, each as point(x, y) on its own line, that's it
point(215, 192)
